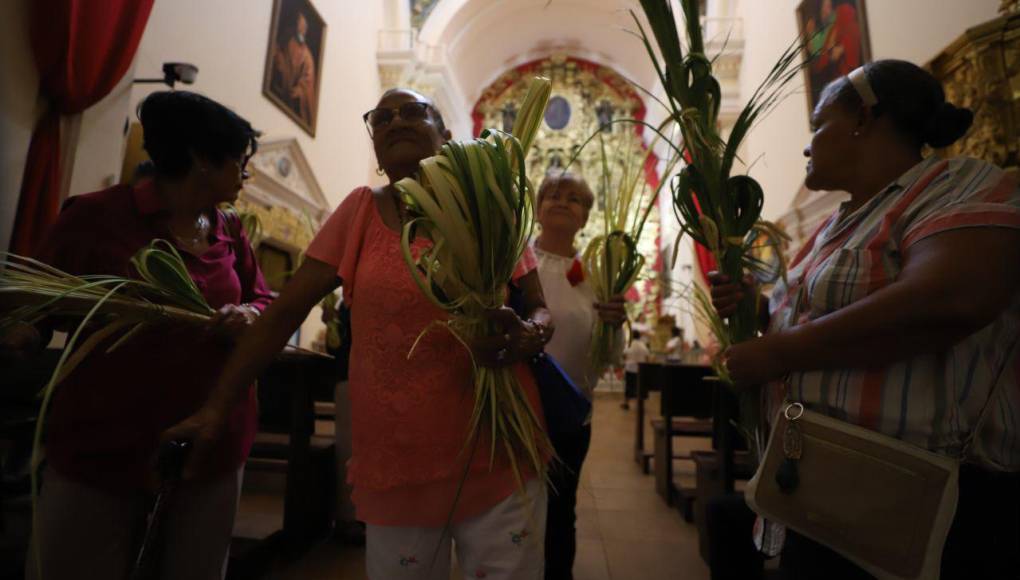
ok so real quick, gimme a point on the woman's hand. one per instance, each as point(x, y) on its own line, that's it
point(614, 312)
point(231, 320)
point(756, 361)
point(202, 429)
point(514, 339)
point(726, 295)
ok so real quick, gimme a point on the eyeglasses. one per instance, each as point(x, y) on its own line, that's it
point(378, 118)
point(242, 166)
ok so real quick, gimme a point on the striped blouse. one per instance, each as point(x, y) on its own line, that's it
point(931, 400)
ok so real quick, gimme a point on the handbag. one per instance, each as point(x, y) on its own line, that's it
point(884, 504)
point(566, 407)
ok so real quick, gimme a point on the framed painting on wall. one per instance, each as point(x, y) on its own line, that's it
point(297, 37)
point(836, 31)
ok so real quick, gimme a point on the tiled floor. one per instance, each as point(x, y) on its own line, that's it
point(624, 530)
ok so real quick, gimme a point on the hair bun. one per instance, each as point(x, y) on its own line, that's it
point(948, 125)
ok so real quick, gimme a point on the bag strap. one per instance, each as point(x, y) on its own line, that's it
point(985, 410)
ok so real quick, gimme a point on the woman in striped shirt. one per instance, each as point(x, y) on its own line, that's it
point(902, 312)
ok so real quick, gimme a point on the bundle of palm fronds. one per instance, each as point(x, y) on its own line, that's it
point(32, 291)
point(475, 205)
point(719, 210)
point(612, 260)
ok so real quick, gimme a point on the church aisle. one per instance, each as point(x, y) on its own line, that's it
point(624, 530)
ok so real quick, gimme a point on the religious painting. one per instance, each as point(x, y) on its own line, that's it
point(836, 33)
point(297, 37)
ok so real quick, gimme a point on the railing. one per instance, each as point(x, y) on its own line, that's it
point(400, 42)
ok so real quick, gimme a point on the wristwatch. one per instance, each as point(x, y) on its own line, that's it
point(542, 331)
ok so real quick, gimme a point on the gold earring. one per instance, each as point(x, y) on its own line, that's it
point(380, 171)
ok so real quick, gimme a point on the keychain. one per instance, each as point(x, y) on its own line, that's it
point(787, 477)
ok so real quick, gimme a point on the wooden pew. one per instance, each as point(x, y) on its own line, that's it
point(686, 407)
point(717, 471)
point(648, 374)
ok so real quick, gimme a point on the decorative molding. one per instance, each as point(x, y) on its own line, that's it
point(981, 71)
point(406, 62)
point(285, 194)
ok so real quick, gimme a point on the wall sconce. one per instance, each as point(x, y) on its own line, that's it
point(174, 72)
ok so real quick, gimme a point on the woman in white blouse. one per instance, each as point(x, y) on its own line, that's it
point(564, 202)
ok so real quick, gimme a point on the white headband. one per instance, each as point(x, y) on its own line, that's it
point(860, 82)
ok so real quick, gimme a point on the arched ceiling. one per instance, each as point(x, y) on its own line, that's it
point(484, 38)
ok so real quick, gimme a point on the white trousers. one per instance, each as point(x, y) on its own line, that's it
point(85, 533)
point(505, 543)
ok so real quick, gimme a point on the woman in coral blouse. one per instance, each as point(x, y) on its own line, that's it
point(409, 415)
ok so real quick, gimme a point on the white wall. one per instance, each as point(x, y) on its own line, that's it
point(19, 84)
point(99, 151)
point(914, 30)
point(227, 40)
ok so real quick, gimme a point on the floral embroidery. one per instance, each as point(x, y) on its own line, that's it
point(406, 561)
point(518, 537)
point(575, 275)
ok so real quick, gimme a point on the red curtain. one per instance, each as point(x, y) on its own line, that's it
point(82, 49)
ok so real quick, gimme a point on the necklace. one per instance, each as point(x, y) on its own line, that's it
point(201, 226)
point(401, 207)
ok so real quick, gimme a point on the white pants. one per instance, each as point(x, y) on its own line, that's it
point(505, 543)
point(85, 533)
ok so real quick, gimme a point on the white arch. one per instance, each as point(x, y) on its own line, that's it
point(483, 38)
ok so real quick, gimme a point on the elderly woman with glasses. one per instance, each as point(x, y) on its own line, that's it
point(409, 414)
point(564, 203)
point(107, 416)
